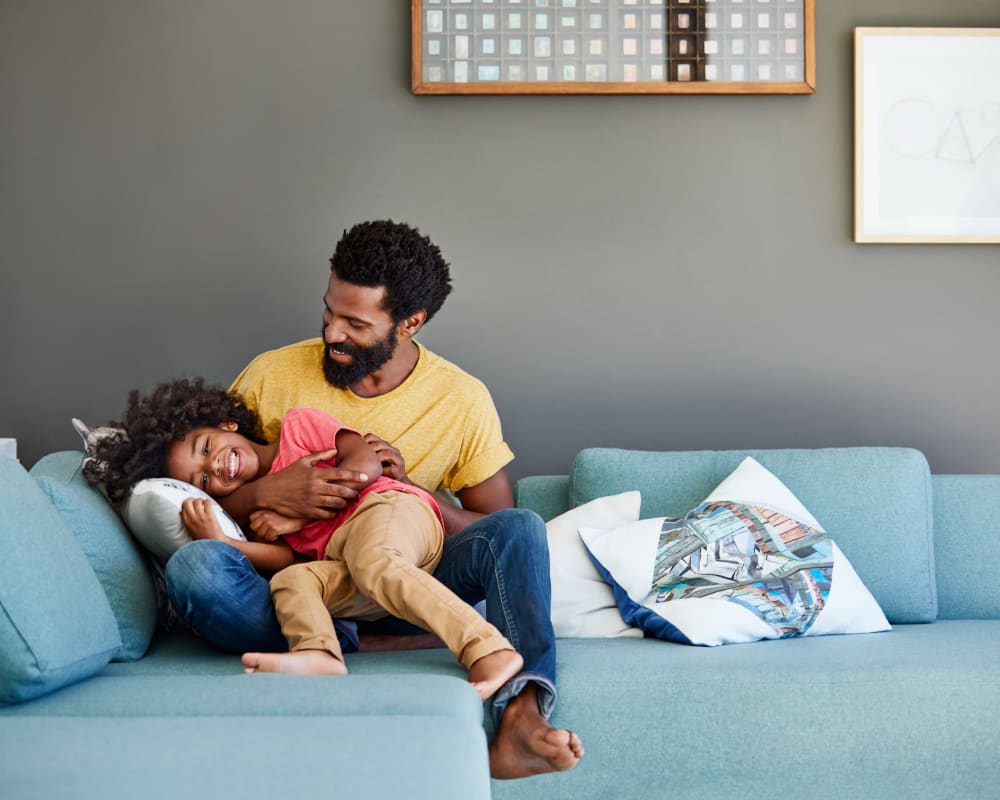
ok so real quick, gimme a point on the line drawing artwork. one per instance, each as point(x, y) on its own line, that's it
point(928, 135)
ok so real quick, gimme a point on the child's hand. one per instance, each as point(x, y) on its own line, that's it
point(269, 525)
point(200, 521)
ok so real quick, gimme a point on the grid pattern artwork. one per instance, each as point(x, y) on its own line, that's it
point(611, 41)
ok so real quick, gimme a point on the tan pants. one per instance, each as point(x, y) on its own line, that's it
point(380, 560)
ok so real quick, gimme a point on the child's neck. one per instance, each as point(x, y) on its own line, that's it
point(266, 453)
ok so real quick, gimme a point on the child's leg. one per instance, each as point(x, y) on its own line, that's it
point(302, 594)
point(391, 544)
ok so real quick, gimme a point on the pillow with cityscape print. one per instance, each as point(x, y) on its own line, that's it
point(734, 570)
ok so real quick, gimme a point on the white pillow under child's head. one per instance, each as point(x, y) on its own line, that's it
point(153, 514)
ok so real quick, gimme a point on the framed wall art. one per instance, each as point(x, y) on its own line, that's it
point(927, 135)
point(613, 46)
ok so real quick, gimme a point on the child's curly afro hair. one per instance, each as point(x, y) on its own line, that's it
point(149, 425)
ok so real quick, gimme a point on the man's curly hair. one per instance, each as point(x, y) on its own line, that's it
point(152, 422)
point(396, 256)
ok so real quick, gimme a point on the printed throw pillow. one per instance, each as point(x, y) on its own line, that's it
point(583, 605)
point(734, 570)
point(153, 514)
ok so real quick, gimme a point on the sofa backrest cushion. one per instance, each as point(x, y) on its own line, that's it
point(875, 502)
point(113, 554)
point(56, 626)
point(967, 545)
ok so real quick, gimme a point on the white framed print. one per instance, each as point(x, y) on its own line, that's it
point(927, 135)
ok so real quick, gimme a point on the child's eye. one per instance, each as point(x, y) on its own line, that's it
point(204, 450)
point(204, 481)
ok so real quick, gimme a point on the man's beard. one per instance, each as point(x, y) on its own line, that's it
point(365, 361)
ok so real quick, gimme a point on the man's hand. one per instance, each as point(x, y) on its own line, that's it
point(393, 465)
point(267, 525)
point(304, 491)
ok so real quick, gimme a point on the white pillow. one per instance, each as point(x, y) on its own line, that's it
point(752, 484)
point(153, 514)
point(583, 605)
point(738, 568)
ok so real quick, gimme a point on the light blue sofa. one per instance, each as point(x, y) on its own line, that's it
point(909, 713)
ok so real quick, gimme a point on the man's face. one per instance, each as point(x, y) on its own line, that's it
point(359, 333)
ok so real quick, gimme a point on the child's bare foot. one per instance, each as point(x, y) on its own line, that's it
point(298, 662)
point(489, 673)
point(525, 744)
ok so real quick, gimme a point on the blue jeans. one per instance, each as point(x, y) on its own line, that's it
point(502, 559)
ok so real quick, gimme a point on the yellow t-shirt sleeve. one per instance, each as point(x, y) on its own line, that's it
point(483, 452)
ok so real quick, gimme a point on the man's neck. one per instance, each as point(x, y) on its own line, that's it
point(391, 374)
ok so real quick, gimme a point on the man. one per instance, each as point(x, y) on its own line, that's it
point(437, 428)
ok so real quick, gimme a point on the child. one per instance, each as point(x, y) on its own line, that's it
point(374, 556)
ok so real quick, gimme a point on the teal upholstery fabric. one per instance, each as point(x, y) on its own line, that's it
point(162, 758)
point(56, 626)
point(113, 554)
point(875, 502)
point(546, 495)
point(967, 545)
point(905, 714)
point(249, 736)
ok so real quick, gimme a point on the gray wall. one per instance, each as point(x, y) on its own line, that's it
point(653, 272)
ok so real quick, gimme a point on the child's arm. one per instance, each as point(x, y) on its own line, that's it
point(356, 455)
point(199, 519)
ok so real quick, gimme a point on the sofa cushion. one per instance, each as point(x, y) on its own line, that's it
point(731, 572)
point(967, 545)
point(874, 501)
point(909, 714)
point(113, 554)
point(56, 626)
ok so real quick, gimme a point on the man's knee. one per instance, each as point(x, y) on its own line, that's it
point(519, 528)
point(198, 565)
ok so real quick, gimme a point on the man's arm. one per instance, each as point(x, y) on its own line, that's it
point(299, 491)
point(484, 498)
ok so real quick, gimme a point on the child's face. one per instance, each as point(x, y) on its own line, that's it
point(216, 460)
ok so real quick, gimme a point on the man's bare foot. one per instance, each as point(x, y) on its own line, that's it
point(525, 744)
point(489, 673)
point(298, 662)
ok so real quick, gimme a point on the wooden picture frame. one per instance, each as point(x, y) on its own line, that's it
point(613, 47)
point(926, 135)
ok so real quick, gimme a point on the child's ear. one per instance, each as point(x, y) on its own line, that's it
point(229, 425)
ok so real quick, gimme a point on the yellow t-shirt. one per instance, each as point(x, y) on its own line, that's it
point(440, 418)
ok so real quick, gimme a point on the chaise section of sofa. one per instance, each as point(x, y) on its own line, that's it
point(94, 705)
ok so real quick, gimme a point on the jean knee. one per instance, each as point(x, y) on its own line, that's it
point(522, 529)
point(197, 564)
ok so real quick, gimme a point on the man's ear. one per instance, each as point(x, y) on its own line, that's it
point(229, 425)
point(413, 323)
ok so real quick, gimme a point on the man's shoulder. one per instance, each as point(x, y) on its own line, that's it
point(307, 349)
point(441, 370)
point(280, 370)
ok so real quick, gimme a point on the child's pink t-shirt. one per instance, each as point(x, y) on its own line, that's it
point(308, 430)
